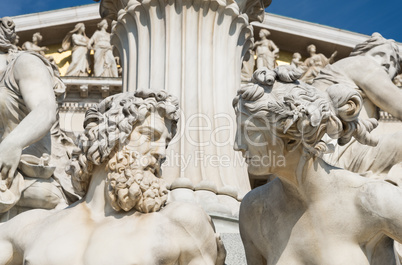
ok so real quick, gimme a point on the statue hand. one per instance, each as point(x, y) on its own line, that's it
point(10, 155)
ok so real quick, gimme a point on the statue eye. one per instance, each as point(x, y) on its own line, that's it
point(150, 134)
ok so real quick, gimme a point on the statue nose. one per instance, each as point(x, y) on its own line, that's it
point(159, 150)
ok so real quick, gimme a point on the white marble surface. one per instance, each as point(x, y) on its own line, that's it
point(312, 211)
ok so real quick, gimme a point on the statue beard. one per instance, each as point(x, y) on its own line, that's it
point(132, 183)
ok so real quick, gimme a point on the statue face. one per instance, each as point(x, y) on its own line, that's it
point(150, 139)
point(134, 171)
point(312, 49)
point(82, 29)
point(257, 146)
point(264, 34)
point(386, 57)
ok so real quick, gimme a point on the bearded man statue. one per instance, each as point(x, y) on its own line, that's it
point(123, 217)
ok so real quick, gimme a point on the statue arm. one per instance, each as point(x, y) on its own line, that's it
point(36, 86)
point(257, 43)
point(377, 86)
point(332, 58)
point(248, 228)
point(274, 48)
point(31, 47)
point(78, 41)
point(92, 40)
point(381, 200)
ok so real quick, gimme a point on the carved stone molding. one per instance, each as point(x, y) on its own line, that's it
point(91, 88)
point(386, 117)
point(76, 106)
point(253, 8)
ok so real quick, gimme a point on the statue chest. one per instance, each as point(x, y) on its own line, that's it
point(107, 244)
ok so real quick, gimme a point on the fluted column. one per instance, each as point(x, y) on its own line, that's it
point(194, 50)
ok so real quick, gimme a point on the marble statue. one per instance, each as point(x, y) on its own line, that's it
point(312, 213)
point(29, 85)
point(266, 51)
point(315, 63)
point(248, 65)
point(369, 69)
point(34, 45)
point(123, 217)
point(296, 60)
point(76, 38)
point(104, 63)
point(190, 56)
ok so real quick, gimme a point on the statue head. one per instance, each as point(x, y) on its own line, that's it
point(296, 56)
point(264, 33)
point(385, 52)
point(7, 35)
point(311, 49)
point(78, 29)
point(287, 115)
point(103, 24)
point(37, 38)
point(128, 133)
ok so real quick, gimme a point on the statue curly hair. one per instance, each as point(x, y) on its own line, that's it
point(109, 125)
point(7, 35)
point(302, 114)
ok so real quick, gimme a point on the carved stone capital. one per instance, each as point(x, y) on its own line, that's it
point(253, 8)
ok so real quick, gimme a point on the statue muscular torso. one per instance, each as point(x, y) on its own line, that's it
point(339, 224)
point(178, 234)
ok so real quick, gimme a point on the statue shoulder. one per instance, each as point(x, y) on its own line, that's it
point(28, 64)
point(24, 224)
point(187, 215)
point(195, 234)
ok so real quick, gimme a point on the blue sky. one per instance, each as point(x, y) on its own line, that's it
point(362, 16)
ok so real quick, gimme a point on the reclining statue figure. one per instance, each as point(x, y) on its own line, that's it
point(369, 69)
point(312, 213)
point(123, 217)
